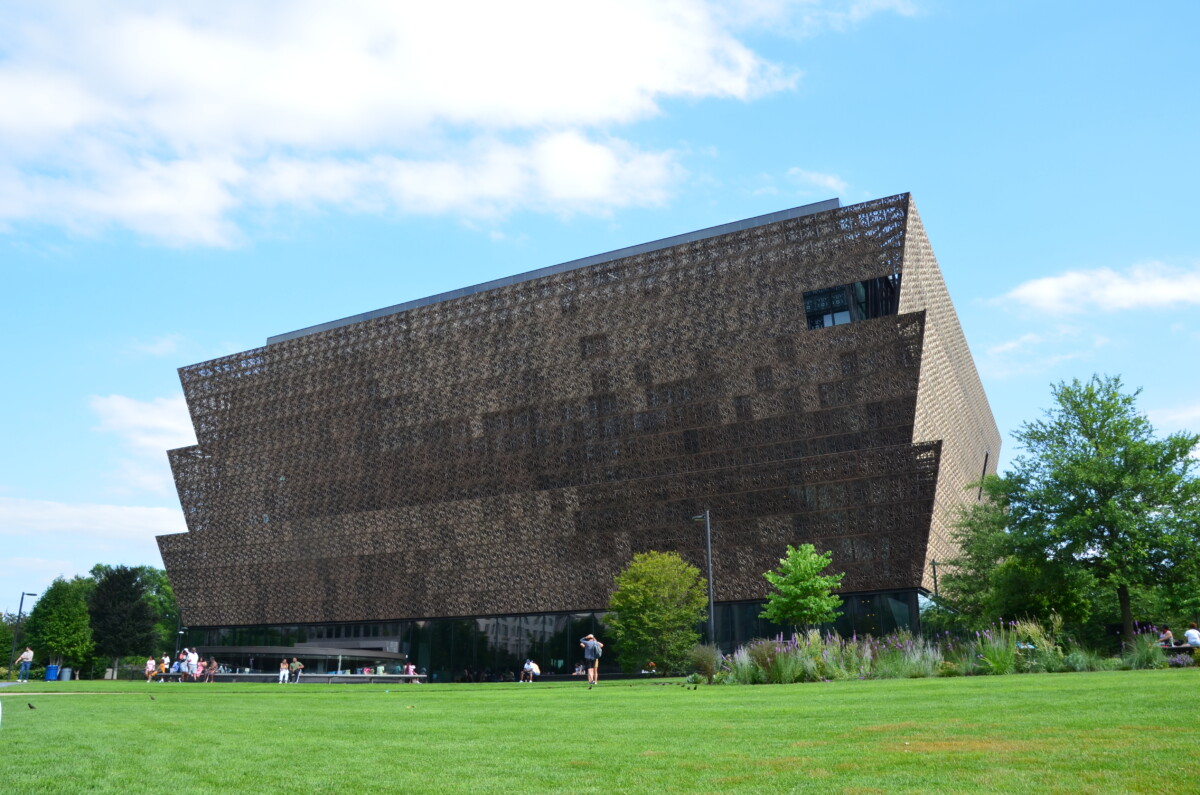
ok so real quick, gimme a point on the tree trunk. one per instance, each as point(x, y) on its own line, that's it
point(1126, 614)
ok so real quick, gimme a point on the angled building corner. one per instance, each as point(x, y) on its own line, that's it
point(951, 405)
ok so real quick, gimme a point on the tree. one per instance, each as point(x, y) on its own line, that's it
point(58, 625)
point(1096, 493)
point(986, 580)
point(802, 596)
point(158, 595)
point(122, 621)
point(659, 600)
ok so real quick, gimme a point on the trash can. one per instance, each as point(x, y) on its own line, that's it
point(64, 675)
point(51, 673)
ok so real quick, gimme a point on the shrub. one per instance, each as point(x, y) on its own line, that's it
point(1181, 661)
point(790, 665)
point(1038, 650)
point(1079, 660)
point(997, 651)
point(742, 670)
point(1144, 653)
point(762, 653)
point(706, 660)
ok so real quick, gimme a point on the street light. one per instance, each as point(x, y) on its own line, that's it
point(712, 621)
point(17, 630)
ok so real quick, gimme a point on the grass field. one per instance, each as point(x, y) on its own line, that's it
point(1127, 731)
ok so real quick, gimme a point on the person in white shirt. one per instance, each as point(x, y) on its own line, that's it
point(24, 660)
point(1192, 635)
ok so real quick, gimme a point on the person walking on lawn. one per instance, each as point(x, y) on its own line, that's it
point(592, 649)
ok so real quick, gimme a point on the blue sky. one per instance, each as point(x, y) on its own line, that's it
point(179, 184)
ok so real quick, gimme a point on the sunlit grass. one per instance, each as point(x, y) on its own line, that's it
point(1100, 732)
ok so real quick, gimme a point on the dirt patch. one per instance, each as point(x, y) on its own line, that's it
point(967, 746)
point(891, 727)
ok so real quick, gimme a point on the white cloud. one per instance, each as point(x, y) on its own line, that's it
point(156, 425)
point(829, 182)
point(147, 429)
point(1177, 418)
point(1147, 286)
point(165, 345)
point(100, 524)
point(174, 119)
point(804, 18)
point(45, 539)
point(1020, 343)
point(1033, 353)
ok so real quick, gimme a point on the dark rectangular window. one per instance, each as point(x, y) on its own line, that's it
point(742, 407)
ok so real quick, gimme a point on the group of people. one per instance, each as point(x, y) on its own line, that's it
point(189, 667)
point(290, 671)
point(1191, 637)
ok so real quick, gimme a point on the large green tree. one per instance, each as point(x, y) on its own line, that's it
point(802, 595)
point(986, 580)
point(58, 627)
point(659, 600)
point(158, 595)
point(123, 623)
point(1096, 495)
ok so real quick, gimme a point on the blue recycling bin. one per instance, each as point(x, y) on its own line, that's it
point(51, 673)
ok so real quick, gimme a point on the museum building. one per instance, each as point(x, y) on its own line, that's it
point(455, 480)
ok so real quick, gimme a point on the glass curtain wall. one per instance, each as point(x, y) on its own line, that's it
point(493, 649)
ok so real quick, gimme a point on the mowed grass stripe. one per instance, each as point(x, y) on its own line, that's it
point(1102, 732)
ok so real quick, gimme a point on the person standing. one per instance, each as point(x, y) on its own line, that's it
point(284, 671)
point(592, 649)
point(26, 660)
point(296, 668)
point(193, 661)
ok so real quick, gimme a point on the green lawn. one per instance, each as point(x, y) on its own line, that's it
point(1103, 732)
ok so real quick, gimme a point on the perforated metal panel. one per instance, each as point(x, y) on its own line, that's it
point(508, 450)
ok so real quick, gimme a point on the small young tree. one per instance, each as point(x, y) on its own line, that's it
point(122, 621)
point(802, 595)
point(58, 627)
point(658, 602)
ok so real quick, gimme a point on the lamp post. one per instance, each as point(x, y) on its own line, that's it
point(933, 563)
point(17, 630)
point(712, 619)
point(179, 630)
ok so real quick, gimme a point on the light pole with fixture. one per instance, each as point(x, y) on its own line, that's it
point(17, 630)
point(712, 619)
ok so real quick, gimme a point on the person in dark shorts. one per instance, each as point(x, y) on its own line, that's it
point(592, 649)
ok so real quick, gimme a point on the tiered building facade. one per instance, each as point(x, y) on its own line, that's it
point(459, 478)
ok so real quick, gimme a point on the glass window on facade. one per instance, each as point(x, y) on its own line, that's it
point(847, 303)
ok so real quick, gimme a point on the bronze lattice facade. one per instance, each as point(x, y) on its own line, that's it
point(505, 450)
